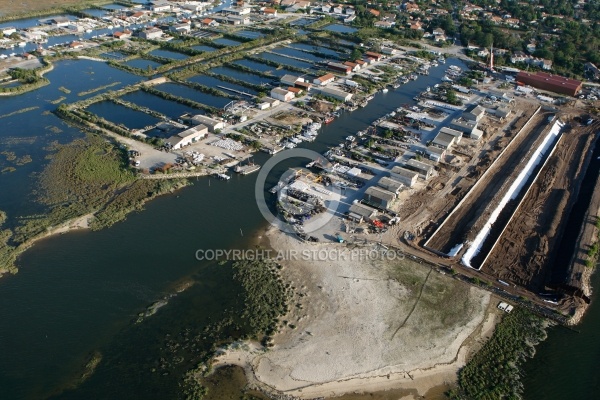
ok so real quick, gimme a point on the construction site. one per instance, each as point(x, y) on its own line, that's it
point(503, 214)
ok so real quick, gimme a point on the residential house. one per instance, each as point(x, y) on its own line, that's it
point(519, 56)
point(384, 24)
point(270, 12)
point(483, 52)
point(374, 13)
point(208, 22)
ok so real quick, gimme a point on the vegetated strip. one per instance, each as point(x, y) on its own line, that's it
point(21, 111)
point(495, 371)
point(265, 299)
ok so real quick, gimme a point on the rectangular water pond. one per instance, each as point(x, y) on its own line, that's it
point(265, 68)
point(317, 49)
point(241, 75)
point(286, 51)
point(171, 109)
point(173, 55)
point(94, 12)
point(119, 114)
point(339, 28)
point(249, 34)
point(114, 6)
point(285, 60)
point(216, 83)
point(192, 94)
point(142, 63)
point(226, 42)
point(203, 48)
point(114, 55)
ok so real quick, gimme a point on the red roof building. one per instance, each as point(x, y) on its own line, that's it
point(552, 83)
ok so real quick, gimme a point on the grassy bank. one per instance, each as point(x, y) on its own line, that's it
point(495, 371)
point(265, 299)
point(88, 176)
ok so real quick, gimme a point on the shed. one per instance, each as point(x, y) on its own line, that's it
point(390, 184)
point(474, 113)
point(360, 212)
point(423, 169)
point(457, 134)
point(211, 123)
point(335, 93)
point(379, 197)
point(404, 176)
point(443, 140)
point(282, 94)
point(435, 153)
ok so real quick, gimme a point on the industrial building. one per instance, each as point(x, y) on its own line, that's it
point(151, 33)
point(474, 113)
point(435, 153)
point(336, 94)
point(379, 197)
point(443, 140)
point(324, 80)
point(341, 68)
point(282, 94)
point(359, 212)
point(290, 80)
point(552, 83)
point(211, 123)
point(404, 176)
point(464, 126)
point(188, 136)
point(457, 134)
point(423, 169)
point(390, 184)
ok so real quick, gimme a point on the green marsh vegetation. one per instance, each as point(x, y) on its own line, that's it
point(89, 176)
point(494, 372)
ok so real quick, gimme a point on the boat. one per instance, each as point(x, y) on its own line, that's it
point(328, 119)
point(223, 177)
point(247, 169)
point(385, 90)
point(442, 60)
point(350, 138)
point(445, 78)
point(414, 77)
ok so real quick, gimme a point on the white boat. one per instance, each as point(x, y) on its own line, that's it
point(223, 177)
point(445, 78)
point(385, 90)
point(350, 138)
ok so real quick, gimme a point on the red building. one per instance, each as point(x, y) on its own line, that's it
point(552, 83)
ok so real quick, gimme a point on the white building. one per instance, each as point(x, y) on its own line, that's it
point(335, 93)
point(211, 123)
point(160, 6)
point(188, 136)
point(282, 94)
point(151, 33)
point(324, 80)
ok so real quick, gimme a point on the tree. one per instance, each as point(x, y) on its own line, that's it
point(356, 54)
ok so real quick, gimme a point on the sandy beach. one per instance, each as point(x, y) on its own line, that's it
point(365, 326)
